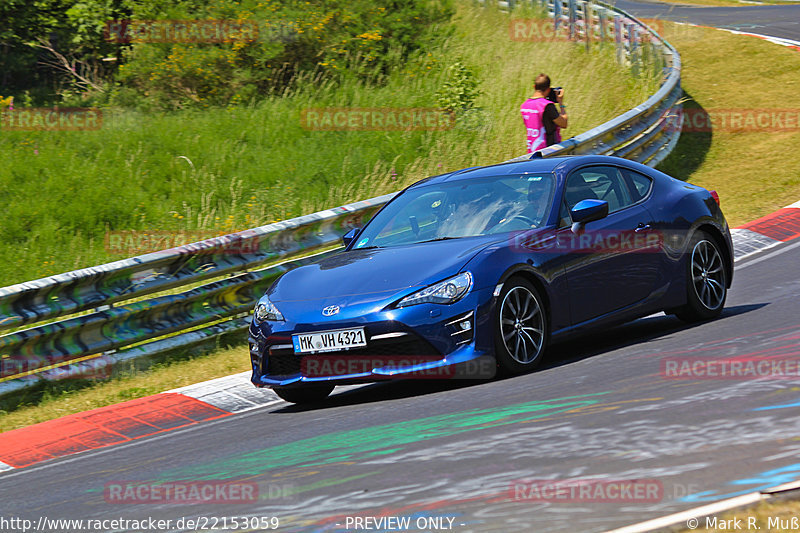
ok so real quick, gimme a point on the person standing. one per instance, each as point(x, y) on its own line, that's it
point(542, 120)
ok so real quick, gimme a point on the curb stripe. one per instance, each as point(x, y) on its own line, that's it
point(102, 427)
point(747, 243)
point(789, 43)
point(233, 393)
point(782, 225)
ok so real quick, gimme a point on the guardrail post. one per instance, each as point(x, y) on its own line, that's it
point(603, 24)
point(556, 14)
point(573, 16)
point(618, 37)
point(633, 37)
point(588, 22)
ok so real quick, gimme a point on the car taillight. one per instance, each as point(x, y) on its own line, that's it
point(715, 196)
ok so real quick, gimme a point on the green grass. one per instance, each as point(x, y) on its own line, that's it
point(254, 165)
point(229, 169)
point(754, 172)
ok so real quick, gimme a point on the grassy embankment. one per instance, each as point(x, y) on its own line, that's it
point(755, 172)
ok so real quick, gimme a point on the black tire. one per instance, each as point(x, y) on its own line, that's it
point(304, 394)
point(521, 326)
point(706, 280)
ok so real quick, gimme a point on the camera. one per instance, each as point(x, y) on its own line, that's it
point(552, 96)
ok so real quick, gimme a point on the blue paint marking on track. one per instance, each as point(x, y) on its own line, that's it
point(763, 481)
point(781, 406)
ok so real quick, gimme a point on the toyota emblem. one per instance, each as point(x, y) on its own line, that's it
point(330, 310)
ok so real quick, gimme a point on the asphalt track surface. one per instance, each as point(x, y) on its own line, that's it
point(602, 407)
point(773, 20)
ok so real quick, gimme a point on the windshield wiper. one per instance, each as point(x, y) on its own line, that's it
point(438, 239)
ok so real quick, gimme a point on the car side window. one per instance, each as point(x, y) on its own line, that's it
point(639, 183)
point(598, 183)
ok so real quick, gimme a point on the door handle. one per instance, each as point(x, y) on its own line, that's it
point(642, 227)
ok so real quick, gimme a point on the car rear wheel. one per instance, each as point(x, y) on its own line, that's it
point(706, 282)
point(520, 326)
point(304, 394)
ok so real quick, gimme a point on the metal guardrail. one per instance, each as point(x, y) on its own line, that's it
point(90, 321)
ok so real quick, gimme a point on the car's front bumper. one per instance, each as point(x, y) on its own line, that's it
point(427, 341)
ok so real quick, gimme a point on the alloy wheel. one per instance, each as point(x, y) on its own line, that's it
point(522, 325)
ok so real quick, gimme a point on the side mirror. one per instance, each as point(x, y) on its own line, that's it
point(586, 211)
point(350, 236)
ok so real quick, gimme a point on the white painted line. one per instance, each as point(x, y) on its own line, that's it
point(685, 516)
point(776, 40)
point(770, 255)
point(786, 487)
point(4, 467)
point(795, 205)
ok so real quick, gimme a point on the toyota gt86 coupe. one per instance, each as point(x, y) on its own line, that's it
point(496, 262)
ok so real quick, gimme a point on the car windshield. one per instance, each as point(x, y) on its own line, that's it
point(461, 208)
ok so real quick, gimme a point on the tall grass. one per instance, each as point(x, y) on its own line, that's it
point(226, 169)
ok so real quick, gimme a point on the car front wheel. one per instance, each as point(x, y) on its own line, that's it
point(520, 326)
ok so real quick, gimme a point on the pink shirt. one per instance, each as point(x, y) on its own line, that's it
point(532, 112)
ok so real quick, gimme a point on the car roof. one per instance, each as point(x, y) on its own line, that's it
point(537, 165)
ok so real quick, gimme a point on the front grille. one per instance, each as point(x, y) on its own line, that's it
point(283, 365)
point(284, 362)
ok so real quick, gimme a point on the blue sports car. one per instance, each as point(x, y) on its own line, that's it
point(493, 263)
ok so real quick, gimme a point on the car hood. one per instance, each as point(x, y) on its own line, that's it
point(371, 275)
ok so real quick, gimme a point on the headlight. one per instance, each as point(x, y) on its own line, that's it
point(266, 310)
point(445, 292)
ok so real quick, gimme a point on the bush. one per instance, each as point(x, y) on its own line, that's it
point(460, 90)
point(330, 38)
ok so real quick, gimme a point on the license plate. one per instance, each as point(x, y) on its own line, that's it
point(329, 341)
